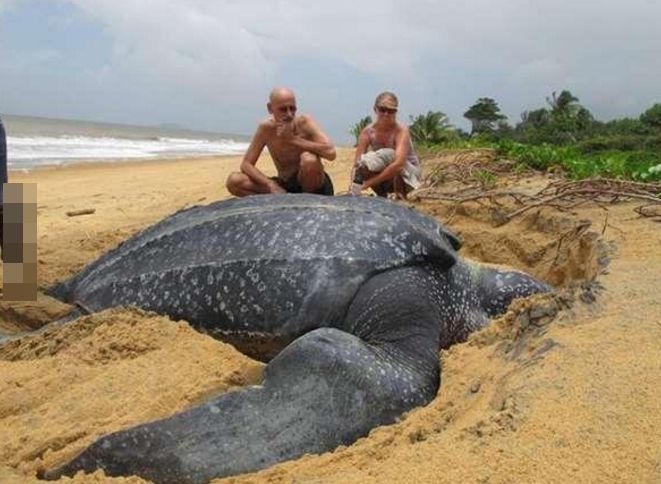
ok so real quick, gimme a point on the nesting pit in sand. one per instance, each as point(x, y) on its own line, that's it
point(64, 388)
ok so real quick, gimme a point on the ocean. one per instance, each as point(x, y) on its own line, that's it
point(35, 142)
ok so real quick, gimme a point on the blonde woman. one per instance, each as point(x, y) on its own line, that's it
point(385, 160)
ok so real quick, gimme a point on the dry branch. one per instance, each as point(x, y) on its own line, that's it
point(561, 195)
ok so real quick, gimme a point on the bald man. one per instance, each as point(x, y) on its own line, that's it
point(296, 144)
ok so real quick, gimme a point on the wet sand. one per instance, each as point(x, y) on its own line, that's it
point(561, 389)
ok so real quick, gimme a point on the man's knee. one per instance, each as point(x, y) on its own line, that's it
point(310, 163)
point(234, 183)
point(310, 172)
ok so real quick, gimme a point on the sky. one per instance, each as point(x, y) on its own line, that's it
point(210, 64)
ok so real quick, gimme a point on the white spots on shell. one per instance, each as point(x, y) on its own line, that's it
point(252, 275)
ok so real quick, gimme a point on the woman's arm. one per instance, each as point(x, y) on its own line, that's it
point(361, 149)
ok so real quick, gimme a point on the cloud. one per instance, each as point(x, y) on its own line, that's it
point(179, 45)
point(211, 63)
point(6, 5)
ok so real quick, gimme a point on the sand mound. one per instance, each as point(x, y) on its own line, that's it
point(66, 386)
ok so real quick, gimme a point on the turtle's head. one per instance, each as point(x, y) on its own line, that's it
point(497, 288)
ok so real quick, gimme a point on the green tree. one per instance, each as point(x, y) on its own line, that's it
point(535, 118)
point(584, 119)
point(652, 116)
point(431, 128)
point(358, 128)
point(483, 115)
point(565, 104)
point(622, 127)
point(565, 121)
point(503, 131)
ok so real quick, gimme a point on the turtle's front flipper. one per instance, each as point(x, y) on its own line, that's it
point(325, 389)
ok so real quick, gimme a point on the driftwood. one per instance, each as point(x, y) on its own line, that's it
point(83, 211)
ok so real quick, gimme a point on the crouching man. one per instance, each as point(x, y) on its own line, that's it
point(296, 144)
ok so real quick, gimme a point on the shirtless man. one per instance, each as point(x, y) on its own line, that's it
point(296, 145)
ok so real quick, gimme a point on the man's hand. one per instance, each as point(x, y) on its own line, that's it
point(284, 130)
point(276, 189)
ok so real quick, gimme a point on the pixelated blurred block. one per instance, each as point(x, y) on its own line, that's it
point(12, 252)
point(13, 232)
point(29, 273)
point(19, 292)
point(29, 253)
point(29, 213)
point(13, 192)
point(13, 212)
point(29, 232)
point(30, 194)
point(13, 273)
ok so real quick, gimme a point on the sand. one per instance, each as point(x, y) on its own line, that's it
point(563, 388)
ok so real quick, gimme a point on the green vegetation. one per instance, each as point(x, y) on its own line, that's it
point(486, 178)
point(431, 129)
point(358, 128)
point(638, 165)
point(652, 117)
point(483, 115)
point(561, 135)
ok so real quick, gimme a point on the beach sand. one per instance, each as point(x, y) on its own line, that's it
point(563, 388)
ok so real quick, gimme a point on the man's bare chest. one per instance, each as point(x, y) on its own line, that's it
point(284, 152)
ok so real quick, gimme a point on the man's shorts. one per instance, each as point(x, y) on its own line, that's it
point(291, 185)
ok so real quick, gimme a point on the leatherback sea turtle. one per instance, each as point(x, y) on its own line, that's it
point(367, 290)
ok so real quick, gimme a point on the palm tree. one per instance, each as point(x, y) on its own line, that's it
point(563, 105)
point(431, 128)
point(358, 128)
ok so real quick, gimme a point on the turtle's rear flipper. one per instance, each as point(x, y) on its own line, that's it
point(326, 389)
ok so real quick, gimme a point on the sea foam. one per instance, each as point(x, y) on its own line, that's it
point(32, 151)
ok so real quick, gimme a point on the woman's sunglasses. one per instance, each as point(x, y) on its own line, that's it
point(385, 110)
